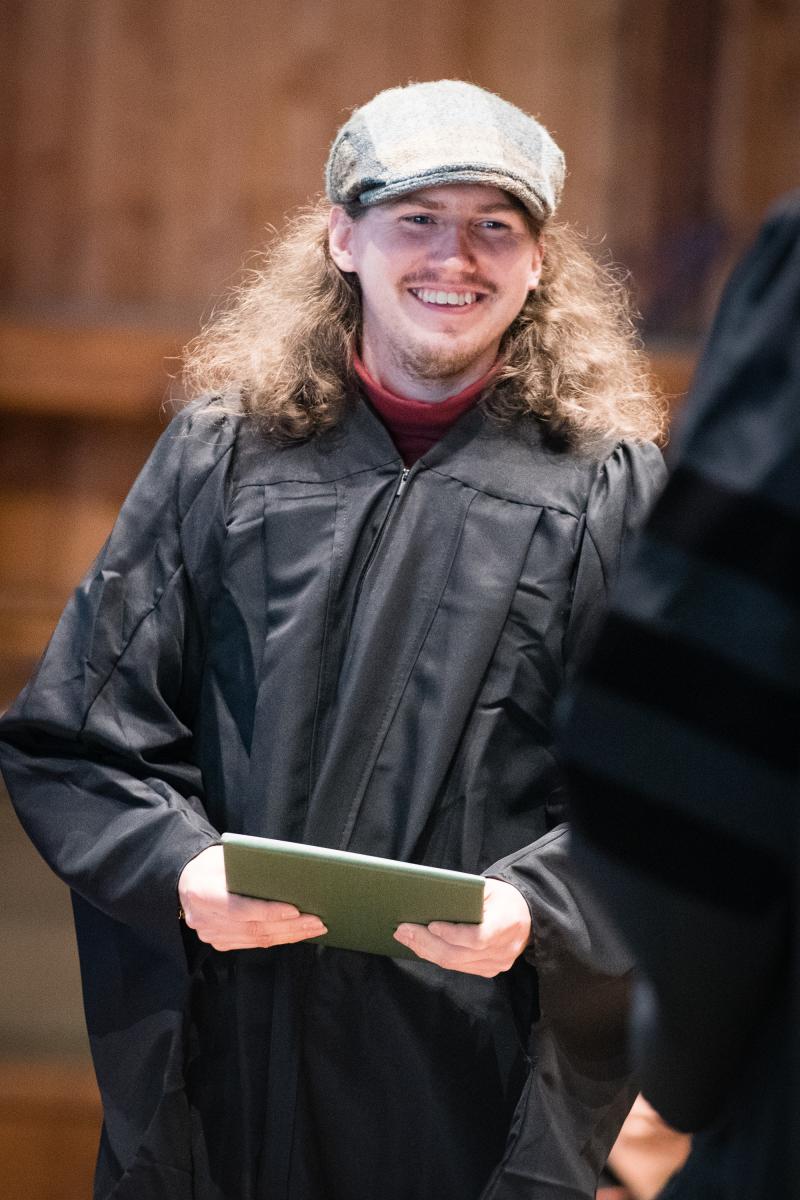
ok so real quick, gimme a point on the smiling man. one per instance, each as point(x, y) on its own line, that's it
point(443, 273)
point(337, 608)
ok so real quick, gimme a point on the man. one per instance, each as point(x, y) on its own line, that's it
point(682, 741)
point(336, 608)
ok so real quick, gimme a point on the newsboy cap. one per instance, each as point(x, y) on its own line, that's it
point(426, 134)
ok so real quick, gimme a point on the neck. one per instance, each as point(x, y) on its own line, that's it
point(402, 381)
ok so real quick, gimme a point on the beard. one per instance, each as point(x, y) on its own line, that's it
point(442, 358)
point(435, 362)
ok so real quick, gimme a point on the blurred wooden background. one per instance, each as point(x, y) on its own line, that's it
point(148, 145)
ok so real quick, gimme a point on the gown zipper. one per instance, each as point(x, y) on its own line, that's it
point(373, 550)
point(402, 480)
point(404, 474)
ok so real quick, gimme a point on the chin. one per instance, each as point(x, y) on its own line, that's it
point(442, 359)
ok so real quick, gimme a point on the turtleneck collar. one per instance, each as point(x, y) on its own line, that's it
point(416, 425)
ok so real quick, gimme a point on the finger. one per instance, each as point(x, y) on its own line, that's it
point(227, 909)
point(459, 934)
point(433, 949)
point(451, 960)
point(254, 935)
point(248, 908)
point(302, 926)
point(481, 940)
point(277, 933)
point(487, 961)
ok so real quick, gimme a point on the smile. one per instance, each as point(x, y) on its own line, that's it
point(446, 299)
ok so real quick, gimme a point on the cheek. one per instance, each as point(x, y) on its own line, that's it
point(522, 268)
point(380, 294)
point(380, 269)
point(519, 284)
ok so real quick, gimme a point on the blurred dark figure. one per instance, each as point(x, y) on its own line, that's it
point(682, 742)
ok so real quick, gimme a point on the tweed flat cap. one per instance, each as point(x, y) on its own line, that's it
point(426, 134)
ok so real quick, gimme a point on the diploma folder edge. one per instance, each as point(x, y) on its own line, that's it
point(361, 898)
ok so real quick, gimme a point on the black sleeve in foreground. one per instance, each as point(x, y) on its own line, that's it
point(681, 734)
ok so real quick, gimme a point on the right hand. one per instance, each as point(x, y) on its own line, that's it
point(230, 922)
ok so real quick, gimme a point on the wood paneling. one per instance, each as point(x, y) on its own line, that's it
point(559, 61)
point(707, 135)
point(665, 227)
point(756, 142)
point(152, 141)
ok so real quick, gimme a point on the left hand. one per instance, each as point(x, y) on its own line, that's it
point(485, 949)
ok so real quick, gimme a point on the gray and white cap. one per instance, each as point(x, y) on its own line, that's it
point(426, 134)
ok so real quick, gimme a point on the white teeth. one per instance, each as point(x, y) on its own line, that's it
point(458, 299)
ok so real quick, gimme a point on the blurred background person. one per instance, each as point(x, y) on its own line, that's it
point(682, 748)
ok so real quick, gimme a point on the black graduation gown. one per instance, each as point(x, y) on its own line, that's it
point(275, 641)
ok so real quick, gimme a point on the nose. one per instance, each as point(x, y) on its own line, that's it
point(454, 246)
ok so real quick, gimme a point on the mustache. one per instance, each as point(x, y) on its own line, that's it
point(474, 284)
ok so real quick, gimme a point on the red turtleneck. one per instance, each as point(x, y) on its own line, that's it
point(416, 425)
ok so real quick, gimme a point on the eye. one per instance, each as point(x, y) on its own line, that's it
point(492, 224)
point(417, 219)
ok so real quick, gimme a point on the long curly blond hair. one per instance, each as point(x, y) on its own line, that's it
point(283, 345)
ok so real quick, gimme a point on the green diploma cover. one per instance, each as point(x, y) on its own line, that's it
point(361, 899)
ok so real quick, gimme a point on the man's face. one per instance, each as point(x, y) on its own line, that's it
point(443, 273)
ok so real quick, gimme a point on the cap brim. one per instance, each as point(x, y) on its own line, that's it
point(520, 189)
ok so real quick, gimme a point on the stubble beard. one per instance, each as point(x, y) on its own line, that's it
point(435, 363)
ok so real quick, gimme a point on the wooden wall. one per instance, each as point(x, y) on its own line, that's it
point(707, 135)
point(152, 141)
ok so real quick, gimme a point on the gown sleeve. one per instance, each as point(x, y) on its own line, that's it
point(97, 750)
point(581, 1088)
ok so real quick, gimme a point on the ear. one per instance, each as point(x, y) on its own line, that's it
point(340, 238)
point(536, 264)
